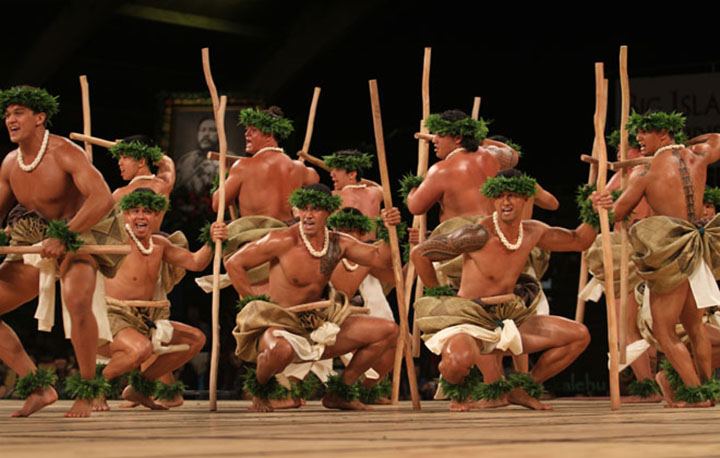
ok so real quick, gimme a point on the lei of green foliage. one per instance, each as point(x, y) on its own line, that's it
point(466, 127)
point(40, 379)
point(205, 239)
point(349, 162)
point(306, 388)
point(265, 122)
point(522, 185)
point(144, 199)
point(168, 392)
point(381, 232)
point(526, 383)
point(35, 98)
point(656, 121)
point(514, 146)
point(613, 140)
point(336, 386)
point(588, 215)
point(142, 385)
point(382, 389)
point(4, 239)
point(347, 222)
point(468, 389)
point(303, 198)
point(58, 229)
point(245, 300)
point(494, 390)
point(78, 388)
point(437, 291)
point(137, 150)
point(712, 196)
point(644, 388)
point(710, 390)
point(270, 390)
point(407, 183)
point(116, 385)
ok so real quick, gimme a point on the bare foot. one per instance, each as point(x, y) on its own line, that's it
point(129, 405)
point(332, 401)
point(100, 404)
point(36, 401)
point(519, 397)
point(669, 395)
point(641, 400)
point(288, 403)
point(81, 408)
point(382, 401)
point(260, 405)
point(456, 406)
point(129, 394)
point(177, 401)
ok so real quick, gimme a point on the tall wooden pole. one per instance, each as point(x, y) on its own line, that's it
point(87, 126)
point(624, 254)
point(219, 105)
point(311, 122)
point(599, 122)
point(403, 346)
point(476, 109)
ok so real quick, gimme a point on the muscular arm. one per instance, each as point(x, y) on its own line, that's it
point(254, 254)
point(424, 267)
point(633, 193)
point(708, 144)
point(311, 176)
point(98, 200)
point(372, 256)
point(232, 186)
point(430, 191)
point(545, 199)
point(561, 239)
point(184, 258)
point(166, 173)
point(506, 157)
point(7, 198)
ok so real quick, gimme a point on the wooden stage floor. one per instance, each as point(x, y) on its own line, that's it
point(577, 428)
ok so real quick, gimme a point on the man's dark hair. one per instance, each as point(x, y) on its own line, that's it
point(509, 173)
point(318, 187)
point(352, 152)
point(469, 143)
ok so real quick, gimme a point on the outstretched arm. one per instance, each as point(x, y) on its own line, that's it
point(708, 144)
point(422, 198)
point(7, 198)
point(545, 199)
point(505, 156)
point(188, 260)
point(166, 173)
point(373, 256)
point(561, 239)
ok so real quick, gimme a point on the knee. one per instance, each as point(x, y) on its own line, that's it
point(140, 351)
point(282, 351)
point(582, 336)
point(455, 366)
point(392, 331)
point(197, 339)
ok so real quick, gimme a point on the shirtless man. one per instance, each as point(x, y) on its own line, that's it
point(465, 333)
point(262, 183)
point(302, 259)
point(668, 254)
point(73, 192)
point(144, 166)
point(137, 280)
point(346, 168)
point(464, 166)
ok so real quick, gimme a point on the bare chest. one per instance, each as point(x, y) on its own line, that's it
point(47, 186)
point(300, 268)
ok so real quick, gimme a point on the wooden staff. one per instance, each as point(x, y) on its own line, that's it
point(424, 135)
point(85, 94)
point(84, 249)
point(317, 162)
point(310, 123)
point(310, 306)
point(582, 281)
point(629, 163)
point(624, 254)
point(219, 104)
point(420, 221)
point(495, 300)
point(476, 109)
point(601, 153)
point(92, 140)
point(403, 346)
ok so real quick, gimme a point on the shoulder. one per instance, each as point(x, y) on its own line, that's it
point(67, 153)
point(534, 226)
point(9, 160)
point(160, 240)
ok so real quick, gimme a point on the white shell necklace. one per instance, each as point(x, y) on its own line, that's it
point(141, 177)
point(313, 252)
point(146, 251)
point(665, 148)
point(30, 167)
point(354, 186)
point(269, 148)
point(350, 267)
point(503, 239)
point(454, 152)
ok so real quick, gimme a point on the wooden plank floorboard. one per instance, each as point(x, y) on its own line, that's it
point(574, 428)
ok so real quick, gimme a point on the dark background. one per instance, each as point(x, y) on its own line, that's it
point(532, 66)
